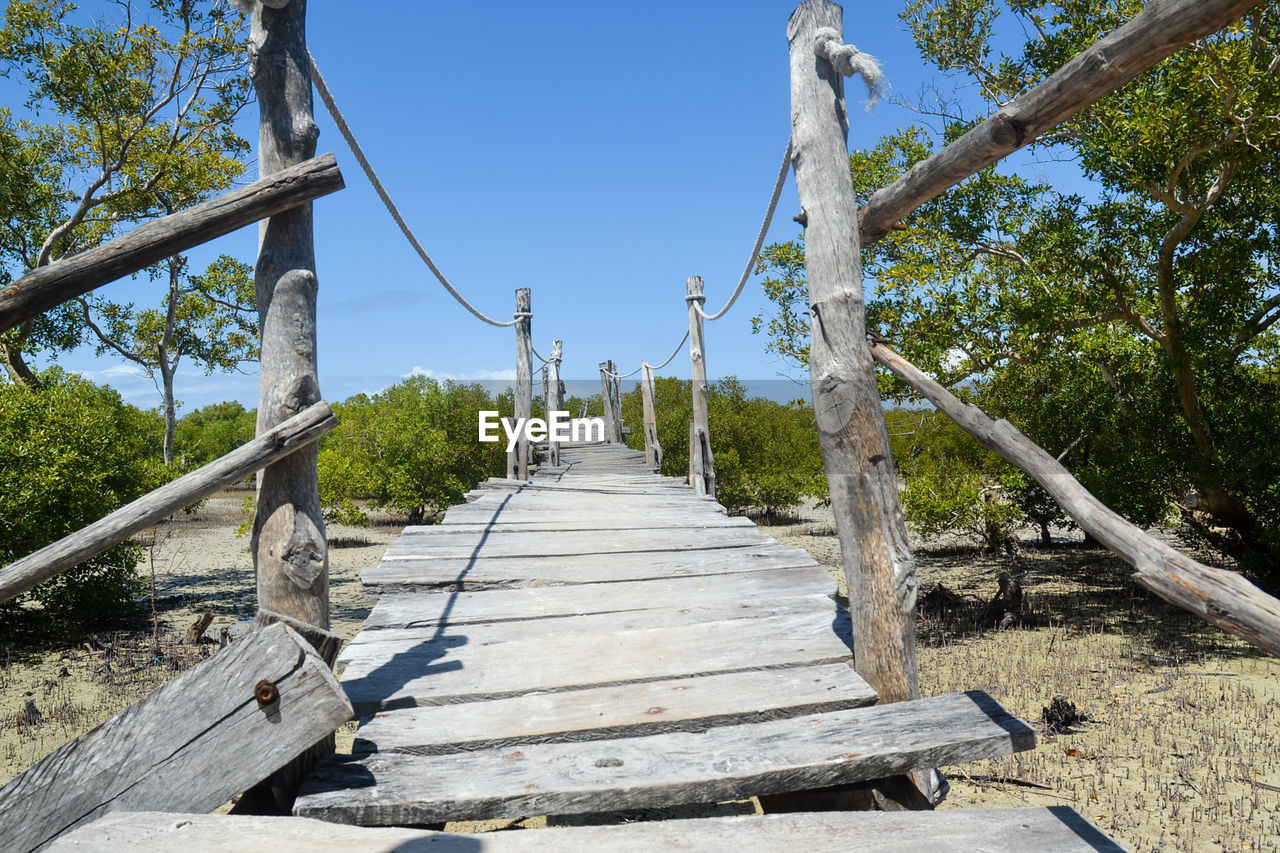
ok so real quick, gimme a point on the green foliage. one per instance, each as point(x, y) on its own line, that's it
point(412, 449)
point(953, 483)
point(72, 452)
point(1136, 325)
point(213, 431)
point(766, 454)
point(126, 117)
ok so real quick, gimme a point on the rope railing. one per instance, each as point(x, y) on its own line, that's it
point(325, 95)
point(764, 230)
point(674, 353)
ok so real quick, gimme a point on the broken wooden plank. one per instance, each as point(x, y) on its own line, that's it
point(48, 286)
point(731, 762)
point(1058, 828)
point(623, 710)
point(449, 670)
point(424, 609)
point(189, 746)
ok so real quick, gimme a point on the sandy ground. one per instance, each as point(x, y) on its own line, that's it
point(1179, 751)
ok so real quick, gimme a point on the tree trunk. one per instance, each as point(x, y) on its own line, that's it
point(290, 552)
point(878, 563)
point(14, 364)
point(176, 263)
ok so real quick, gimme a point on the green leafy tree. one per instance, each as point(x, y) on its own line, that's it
point(766, 453)
point(140, 109)
point(412, 449)
point(72, 452)
point(213, 431)
point(1135, 325)
point(210, 319)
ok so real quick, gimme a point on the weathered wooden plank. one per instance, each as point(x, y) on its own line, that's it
point(1058, 828)
point(1157, 31)
point(47, 286)
point(500, 572)
point(516, 543)
point(572, 522)
point(450, 670)
point(878, 563)
point(801, 753)
point(299, 431)
point(1222, 597)
point(625, 710)
point(816, 605)
point(189, 746)
point(408, 610)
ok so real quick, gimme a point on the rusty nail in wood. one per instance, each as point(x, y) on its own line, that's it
point(265, 692)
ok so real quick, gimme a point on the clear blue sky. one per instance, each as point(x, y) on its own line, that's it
point(596, 153)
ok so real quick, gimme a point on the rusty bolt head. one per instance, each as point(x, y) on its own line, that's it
point(265, 692)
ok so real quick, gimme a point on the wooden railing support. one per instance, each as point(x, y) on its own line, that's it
point(291, 556)
point(702, 474)
point(652, 447)
point(555, 395)
point(299, 431)
point(1157, 31)
point(190, 746)
point(48, 286)
point(878, 564)
point(519, 465)
point(1222, 597)
point(607, 369)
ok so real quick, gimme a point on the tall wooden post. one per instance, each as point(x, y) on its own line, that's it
point(555, 396)
point(702, 475)
point(290, 553)
point(615, 402)
point(878, 563)
point(652, 448)
point(606, 399)
point(524, 378)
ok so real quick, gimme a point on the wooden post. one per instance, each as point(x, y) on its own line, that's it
point(290, 552)
point(615, 403)
point(652, 449)
point(524, 377)
point(878, 564)
point(555, 396)
point(702, 475)
point(606, 399)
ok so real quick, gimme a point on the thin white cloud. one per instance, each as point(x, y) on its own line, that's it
point(505, 375)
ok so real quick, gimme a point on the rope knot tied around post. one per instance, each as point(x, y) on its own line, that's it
point(696, 297)
point(848, 60)
point(523, 315)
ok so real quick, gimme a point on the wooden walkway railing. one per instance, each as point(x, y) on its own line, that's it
point(524, 710)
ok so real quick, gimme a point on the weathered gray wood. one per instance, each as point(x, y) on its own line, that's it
point(1222, 597)
point(524, 378)
point(450, 670)
point(442, 639)
point(571, 522)
point(878, 563)
point(47, 286)
point(652, 447)
point(507, 572)
point(189, 746)
point(1157, 31)
point(409, 610)
point(520, 543)
point(555, 395)
point(624, 710)
point(702, 474)
point(326, 643)
point(606, 398)
point(1057, 828)
point(723, 763)
point(299, 431)
point(290, 554)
